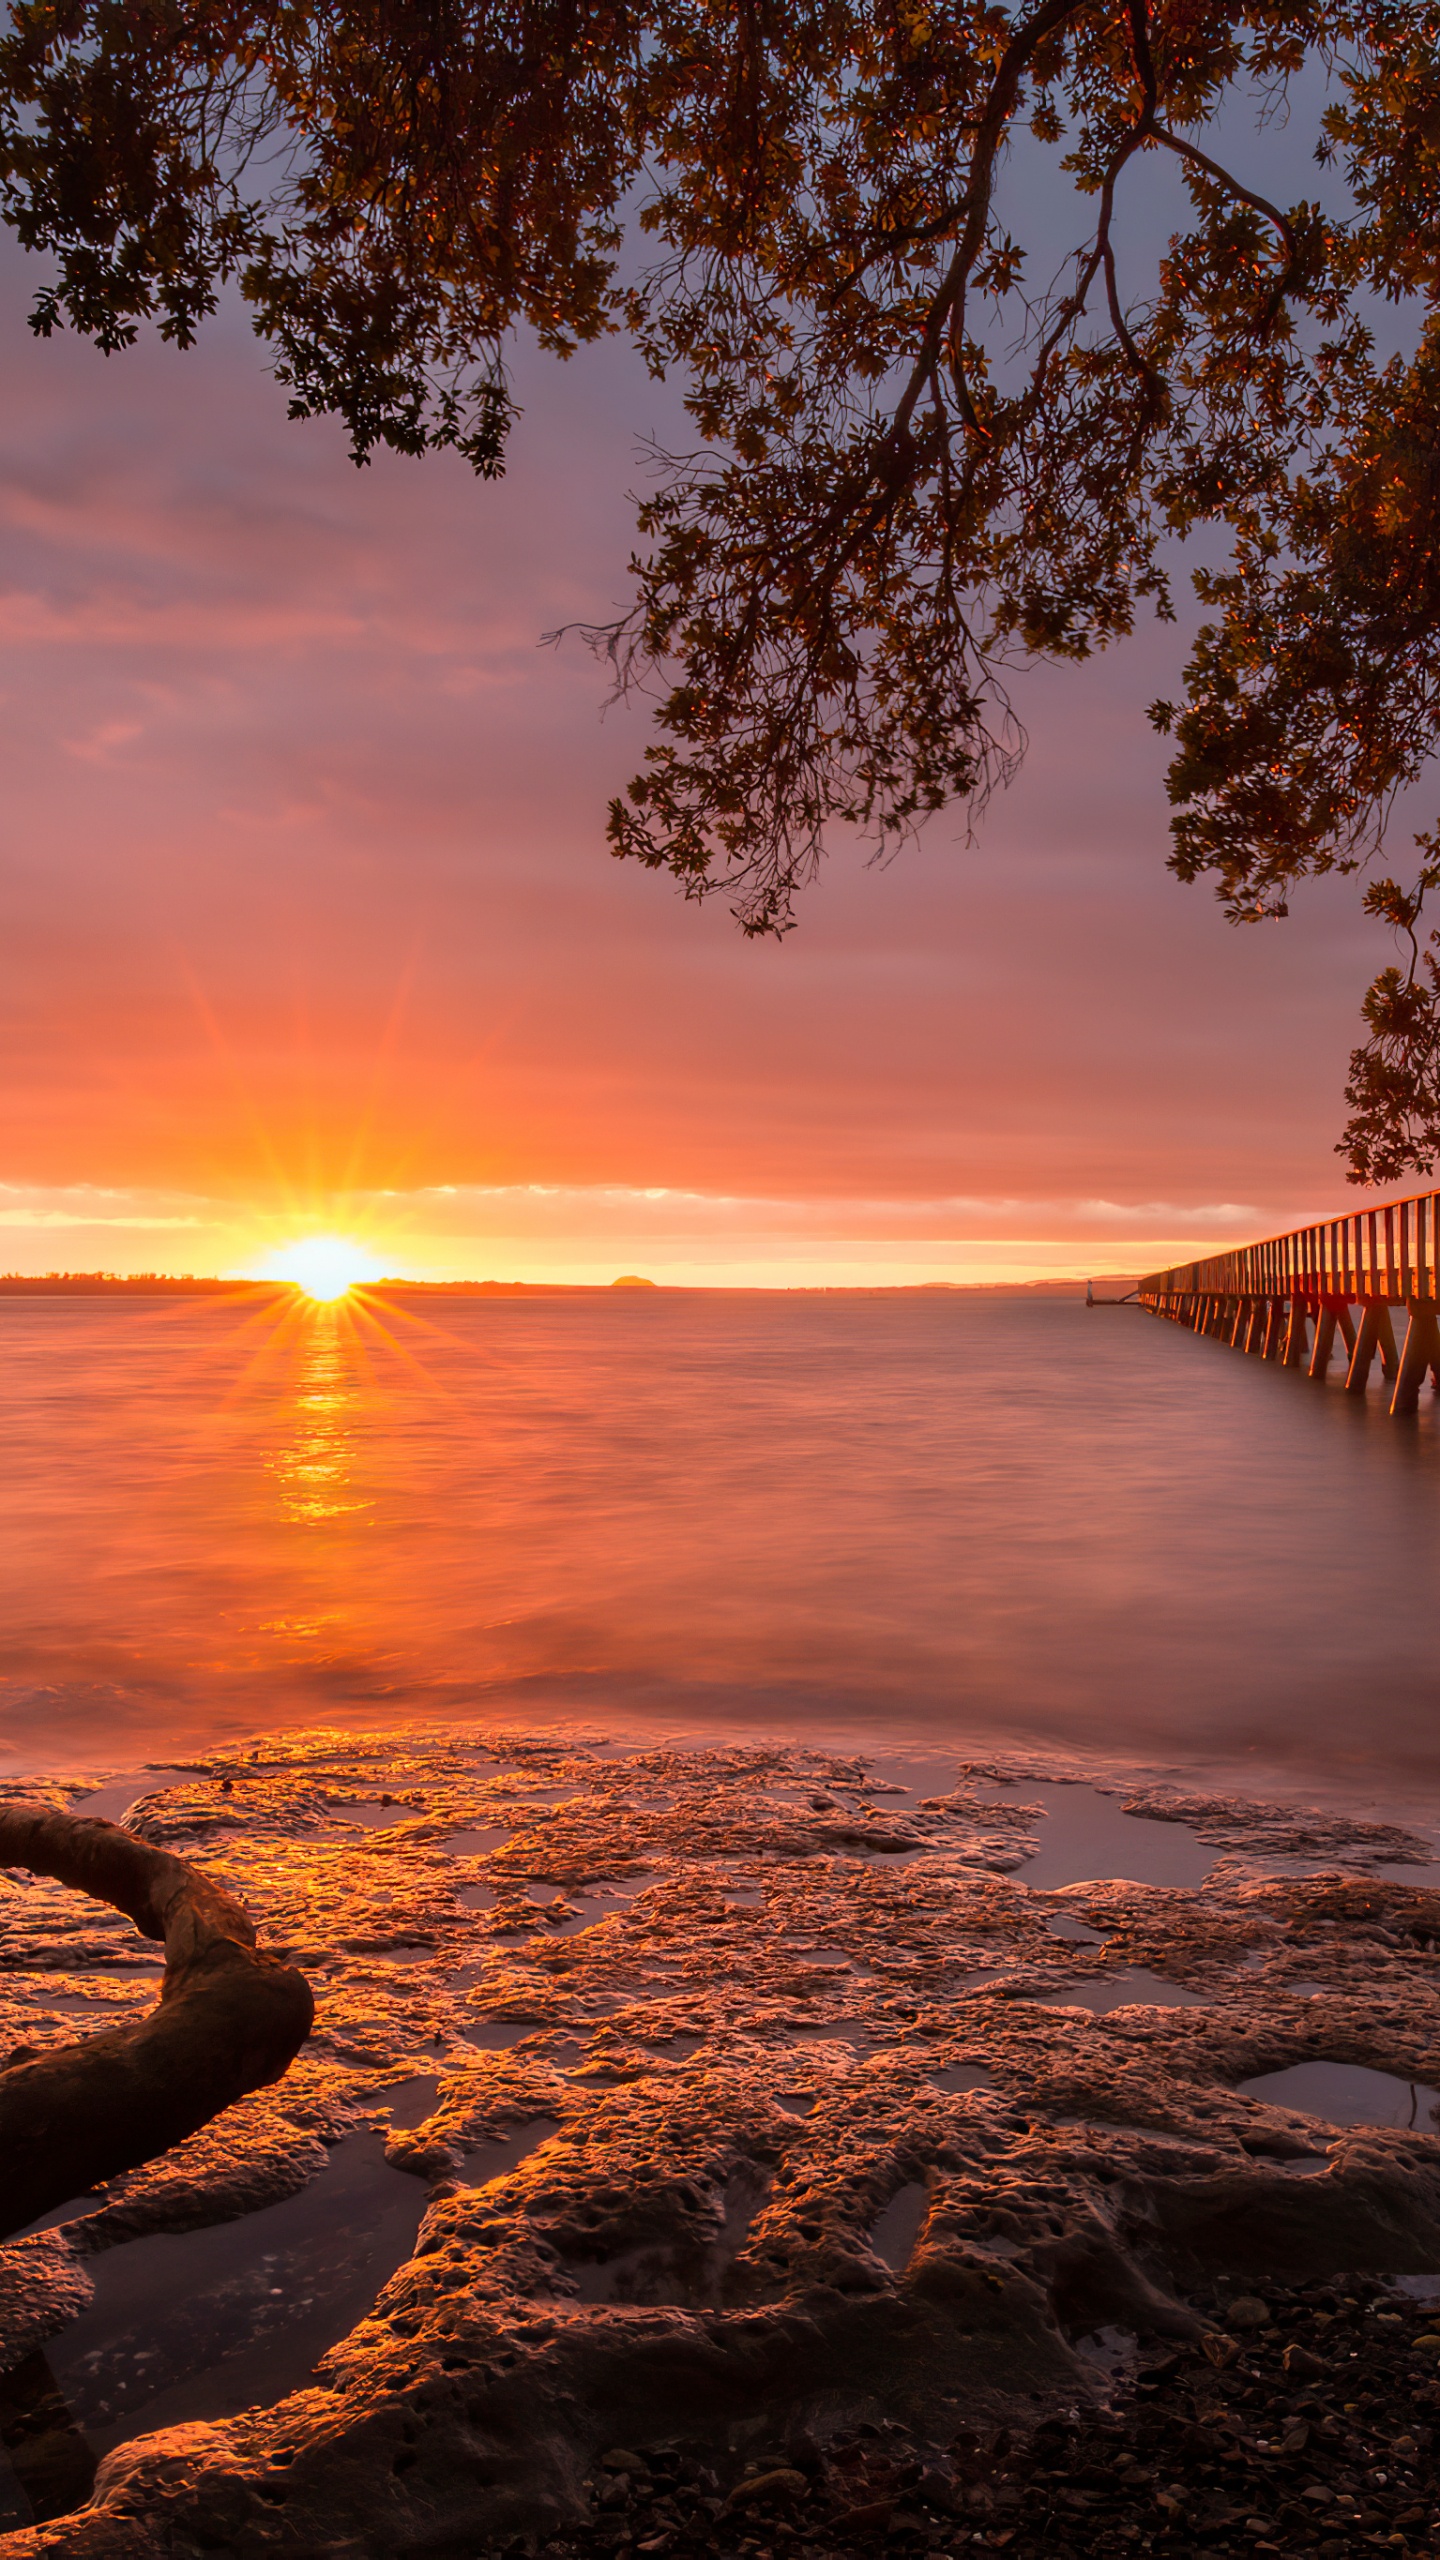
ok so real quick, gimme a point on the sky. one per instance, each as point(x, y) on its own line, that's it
point(310, 925)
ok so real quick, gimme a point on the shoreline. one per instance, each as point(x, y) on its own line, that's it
point(892, 1750)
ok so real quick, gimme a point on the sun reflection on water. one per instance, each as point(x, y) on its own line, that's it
point(314, 1465)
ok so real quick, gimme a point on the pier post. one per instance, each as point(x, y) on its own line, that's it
point(1389, 1356)
point(1296, 1346)
point(1357, 1376)
point(1374, 1335)
point(1421, 1353)
point(1324, 1342)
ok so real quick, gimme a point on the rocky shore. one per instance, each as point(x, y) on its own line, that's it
point(788, 2174)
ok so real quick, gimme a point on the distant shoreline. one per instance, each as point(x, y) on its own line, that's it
point(153, 1284)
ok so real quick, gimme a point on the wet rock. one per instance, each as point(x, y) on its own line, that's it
point(1247, 2312)
point(673, 2292)
point(42, 2285)
point(1279, 1830)
point(768, 2484)
point(873, 2517)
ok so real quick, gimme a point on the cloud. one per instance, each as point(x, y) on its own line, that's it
point(560, 1231)
point(79, 1206)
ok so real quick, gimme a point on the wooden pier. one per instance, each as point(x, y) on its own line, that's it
point(1288, 1298)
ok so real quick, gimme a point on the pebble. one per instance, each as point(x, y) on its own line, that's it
point(1268, 2451)
point(770, 2484)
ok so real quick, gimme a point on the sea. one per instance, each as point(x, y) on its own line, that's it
point(921, 1520)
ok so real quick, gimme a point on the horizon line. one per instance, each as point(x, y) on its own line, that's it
point(213, 1284)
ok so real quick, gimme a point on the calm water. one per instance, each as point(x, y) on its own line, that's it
point(965, 1520)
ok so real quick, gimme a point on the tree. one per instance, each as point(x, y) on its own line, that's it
point(914, 466)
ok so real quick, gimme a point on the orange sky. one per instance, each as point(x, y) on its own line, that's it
point(309, 922)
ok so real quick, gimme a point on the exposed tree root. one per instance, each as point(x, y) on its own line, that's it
point(229, 2020)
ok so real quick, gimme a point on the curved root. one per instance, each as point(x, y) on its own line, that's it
point(229, 2020)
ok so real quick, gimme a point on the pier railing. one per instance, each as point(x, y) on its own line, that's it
point(1288, 1297)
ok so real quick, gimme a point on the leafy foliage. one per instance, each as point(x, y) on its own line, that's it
point(913, 466)
point(1394, 1087)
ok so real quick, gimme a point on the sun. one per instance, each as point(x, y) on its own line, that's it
point(325, 1267)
